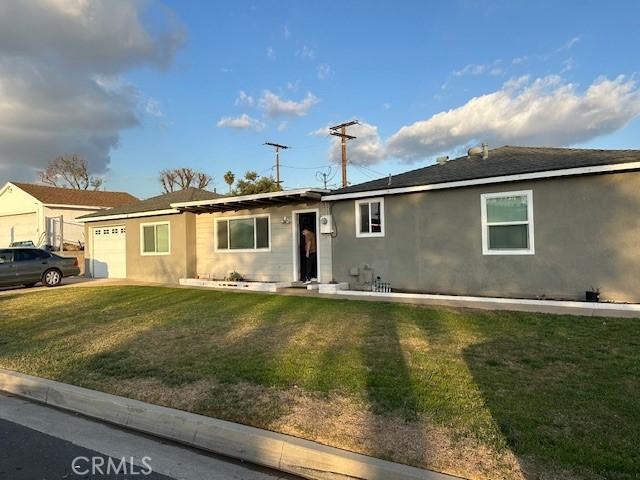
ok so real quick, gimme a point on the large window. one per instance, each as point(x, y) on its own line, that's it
point(243, 233)
point(154, 238)
point(507, 223)
point(370, 218)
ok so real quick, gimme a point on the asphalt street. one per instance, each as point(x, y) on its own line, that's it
point(41, 443)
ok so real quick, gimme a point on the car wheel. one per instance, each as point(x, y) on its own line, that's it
point(52, 277)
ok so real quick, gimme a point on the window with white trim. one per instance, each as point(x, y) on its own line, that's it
point(243, 233)
point(155, 238)
point(370, 218)
point(507, 223)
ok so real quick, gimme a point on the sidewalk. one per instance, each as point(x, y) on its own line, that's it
point(557, 307)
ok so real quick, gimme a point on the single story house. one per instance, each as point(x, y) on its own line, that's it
point(509, 222)
point(196, 233)
point(48, 215)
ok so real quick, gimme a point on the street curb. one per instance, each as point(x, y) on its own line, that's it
point(261, 447)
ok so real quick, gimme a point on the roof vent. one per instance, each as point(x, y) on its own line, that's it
point(474, 152)
point(481, 151)
point(442, 160)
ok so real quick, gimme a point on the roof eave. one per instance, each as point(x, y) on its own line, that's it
point(565, 172)
point(243, 202)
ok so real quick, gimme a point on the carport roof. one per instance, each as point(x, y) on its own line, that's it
point(243, 202)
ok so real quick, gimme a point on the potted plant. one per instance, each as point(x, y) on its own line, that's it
point(592, 295)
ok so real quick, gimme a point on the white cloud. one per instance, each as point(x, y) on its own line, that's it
point(306, 53)
point(386, 105)
point(568, 65)
point(243, 122)
point(546, 111)
point(286, 32)
point(275, 106)
point(480, 69)
point(368, 148)
point(324, 71)
point(244, 99)
point(568, 45)
point(282, 126)
point(271, 53)
point(61, 91)
point(152, 107)
point(519, 60)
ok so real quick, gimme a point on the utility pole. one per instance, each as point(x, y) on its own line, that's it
point(341, 131)
point(277, 146)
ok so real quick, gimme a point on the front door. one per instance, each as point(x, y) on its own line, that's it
point(307, 268)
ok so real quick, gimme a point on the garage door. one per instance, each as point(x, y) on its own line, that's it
point(18, 228)
point(109, 252)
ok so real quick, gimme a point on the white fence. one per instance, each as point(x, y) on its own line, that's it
point(60, 232)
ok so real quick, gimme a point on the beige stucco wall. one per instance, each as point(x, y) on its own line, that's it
point(587, 234)
point(275, 265)
point(180, 263)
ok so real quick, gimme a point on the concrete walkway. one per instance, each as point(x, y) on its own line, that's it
point(618, 310)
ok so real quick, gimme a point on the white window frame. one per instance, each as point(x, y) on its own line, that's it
point(255, 233)
point(485, 224)
point(370, 234)
point(154, 224)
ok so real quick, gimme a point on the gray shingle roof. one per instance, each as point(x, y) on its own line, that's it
point(160, 202)
point(507, 160)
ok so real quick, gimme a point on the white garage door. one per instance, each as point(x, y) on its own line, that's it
point(109, 252)
point(18, 228)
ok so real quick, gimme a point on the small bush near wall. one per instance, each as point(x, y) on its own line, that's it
point(234, 277)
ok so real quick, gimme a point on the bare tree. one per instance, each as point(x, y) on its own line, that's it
point(168, 180)
point(70, 171)
point(175, 179)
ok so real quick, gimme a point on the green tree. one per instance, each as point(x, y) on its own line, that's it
point(252, 183)
point(229, 178)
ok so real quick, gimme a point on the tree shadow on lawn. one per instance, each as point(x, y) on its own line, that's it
point(566, 395)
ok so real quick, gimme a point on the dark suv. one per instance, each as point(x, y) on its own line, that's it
point(28, 266)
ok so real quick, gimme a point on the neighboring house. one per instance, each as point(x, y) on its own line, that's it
point(520, 222)
point(199, 233)
point(48, 215)
point(510, 222)
point(147, 240)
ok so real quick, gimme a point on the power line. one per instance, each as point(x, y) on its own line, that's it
point(306, 168)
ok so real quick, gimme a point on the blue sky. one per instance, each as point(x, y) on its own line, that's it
point(305, 65)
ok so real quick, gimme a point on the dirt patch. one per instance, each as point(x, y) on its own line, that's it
point(335, 420)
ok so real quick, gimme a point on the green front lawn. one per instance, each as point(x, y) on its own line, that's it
point(479, 394)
